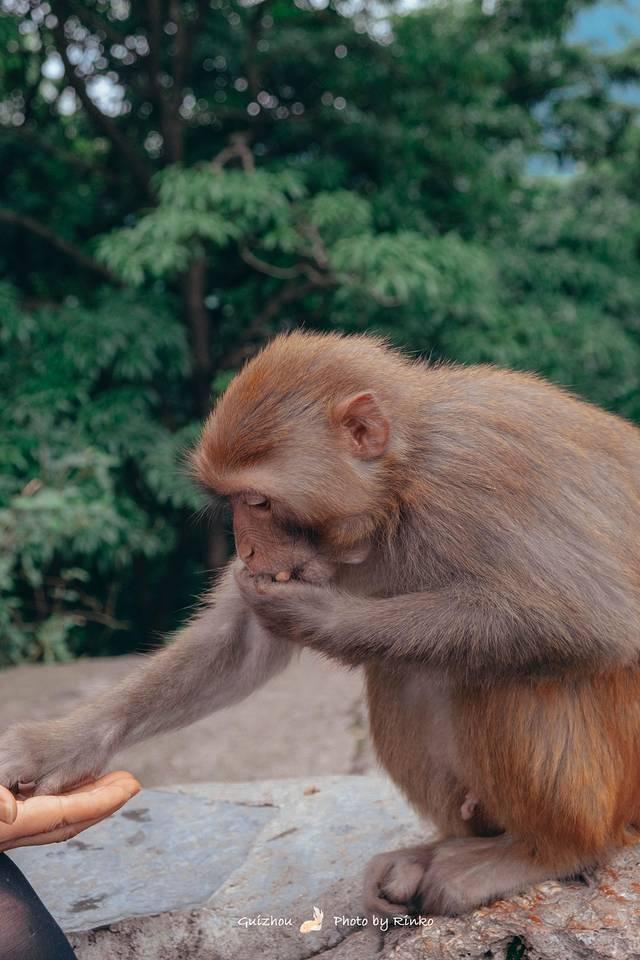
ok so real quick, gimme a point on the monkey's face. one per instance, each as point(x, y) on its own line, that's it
point(304, 452)
point(306, 502)
point(270, 541)
point(268, 545)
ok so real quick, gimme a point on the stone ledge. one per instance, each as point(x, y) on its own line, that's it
point(171, 876)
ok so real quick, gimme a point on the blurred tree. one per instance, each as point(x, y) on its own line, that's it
point(182, 178)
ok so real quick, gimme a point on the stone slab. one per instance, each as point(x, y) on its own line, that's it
point(185, 873)
point(164, 851)
point(206, 856)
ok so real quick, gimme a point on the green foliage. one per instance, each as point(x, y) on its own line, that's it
point(339, 214)
point(199, 208)
point(261, 167)
point(569, 291)
point(86, 389)
point(330, 235)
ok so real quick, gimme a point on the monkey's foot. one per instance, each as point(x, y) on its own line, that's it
point(393, 881)
point(449, 877)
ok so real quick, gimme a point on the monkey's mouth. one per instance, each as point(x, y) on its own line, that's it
point(296, 573)
point(300, 573)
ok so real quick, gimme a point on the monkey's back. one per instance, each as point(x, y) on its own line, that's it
point(527, 490)
point(526, 425)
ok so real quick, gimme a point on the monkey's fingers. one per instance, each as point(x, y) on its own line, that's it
point(377, 905)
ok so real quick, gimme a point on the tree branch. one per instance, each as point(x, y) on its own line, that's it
point(138, 166)
point(302, 269)
point(194, 283)
point(46, 146)
point(254, 33)
point(169, 101)
point(154, 26)
point(64, 246)
point(269, 269)
point(318, 249)
point(238, 149)
point(185, 36)
point(95, 611)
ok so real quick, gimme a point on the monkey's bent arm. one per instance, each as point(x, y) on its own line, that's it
point(216, 660)
point(466, 628)
point(462, 626)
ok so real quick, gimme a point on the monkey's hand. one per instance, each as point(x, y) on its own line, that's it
point(293, 610)
point(49, 756)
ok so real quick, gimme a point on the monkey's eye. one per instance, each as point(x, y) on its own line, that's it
point(256, 500)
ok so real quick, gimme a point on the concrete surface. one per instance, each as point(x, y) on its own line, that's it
point(310, 720)
point(230, 871)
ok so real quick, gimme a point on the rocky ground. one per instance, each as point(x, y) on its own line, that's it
point(232, 871)
point(195, 872)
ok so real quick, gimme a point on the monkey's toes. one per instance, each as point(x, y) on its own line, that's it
point(394, 882)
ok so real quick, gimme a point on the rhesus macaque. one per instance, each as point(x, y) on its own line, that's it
point(471, 537)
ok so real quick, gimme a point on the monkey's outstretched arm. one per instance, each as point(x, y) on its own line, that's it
point(216, 660)
point(461, 627)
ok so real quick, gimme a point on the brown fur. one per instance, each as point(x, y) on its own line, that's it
point(482, 531)
point(563, 773)
point(508, 603)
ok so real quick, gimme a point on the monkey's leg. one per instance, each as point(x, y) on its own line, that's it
point(454, 875)
point(216, 660)
point(554, 762)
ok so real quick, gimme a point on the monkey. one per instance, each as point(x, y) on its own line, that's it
point(467, 535)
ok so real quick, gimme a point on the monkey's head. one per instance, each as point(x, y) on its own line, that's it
point(304, 446)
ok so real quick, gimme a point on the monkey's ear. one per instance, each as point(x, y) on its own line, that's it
point(366, 426)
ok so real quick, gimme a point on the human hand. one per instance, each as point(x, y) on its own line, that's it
point(51, 819)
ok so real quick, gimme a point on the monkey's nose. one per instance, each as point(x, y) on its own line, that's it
point(245, 551)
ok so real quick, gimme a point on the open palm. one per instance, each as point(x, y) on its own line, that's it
point(50, 819)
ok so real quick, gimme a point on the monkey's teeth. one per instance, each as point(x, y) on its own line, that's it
point(283, 576)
